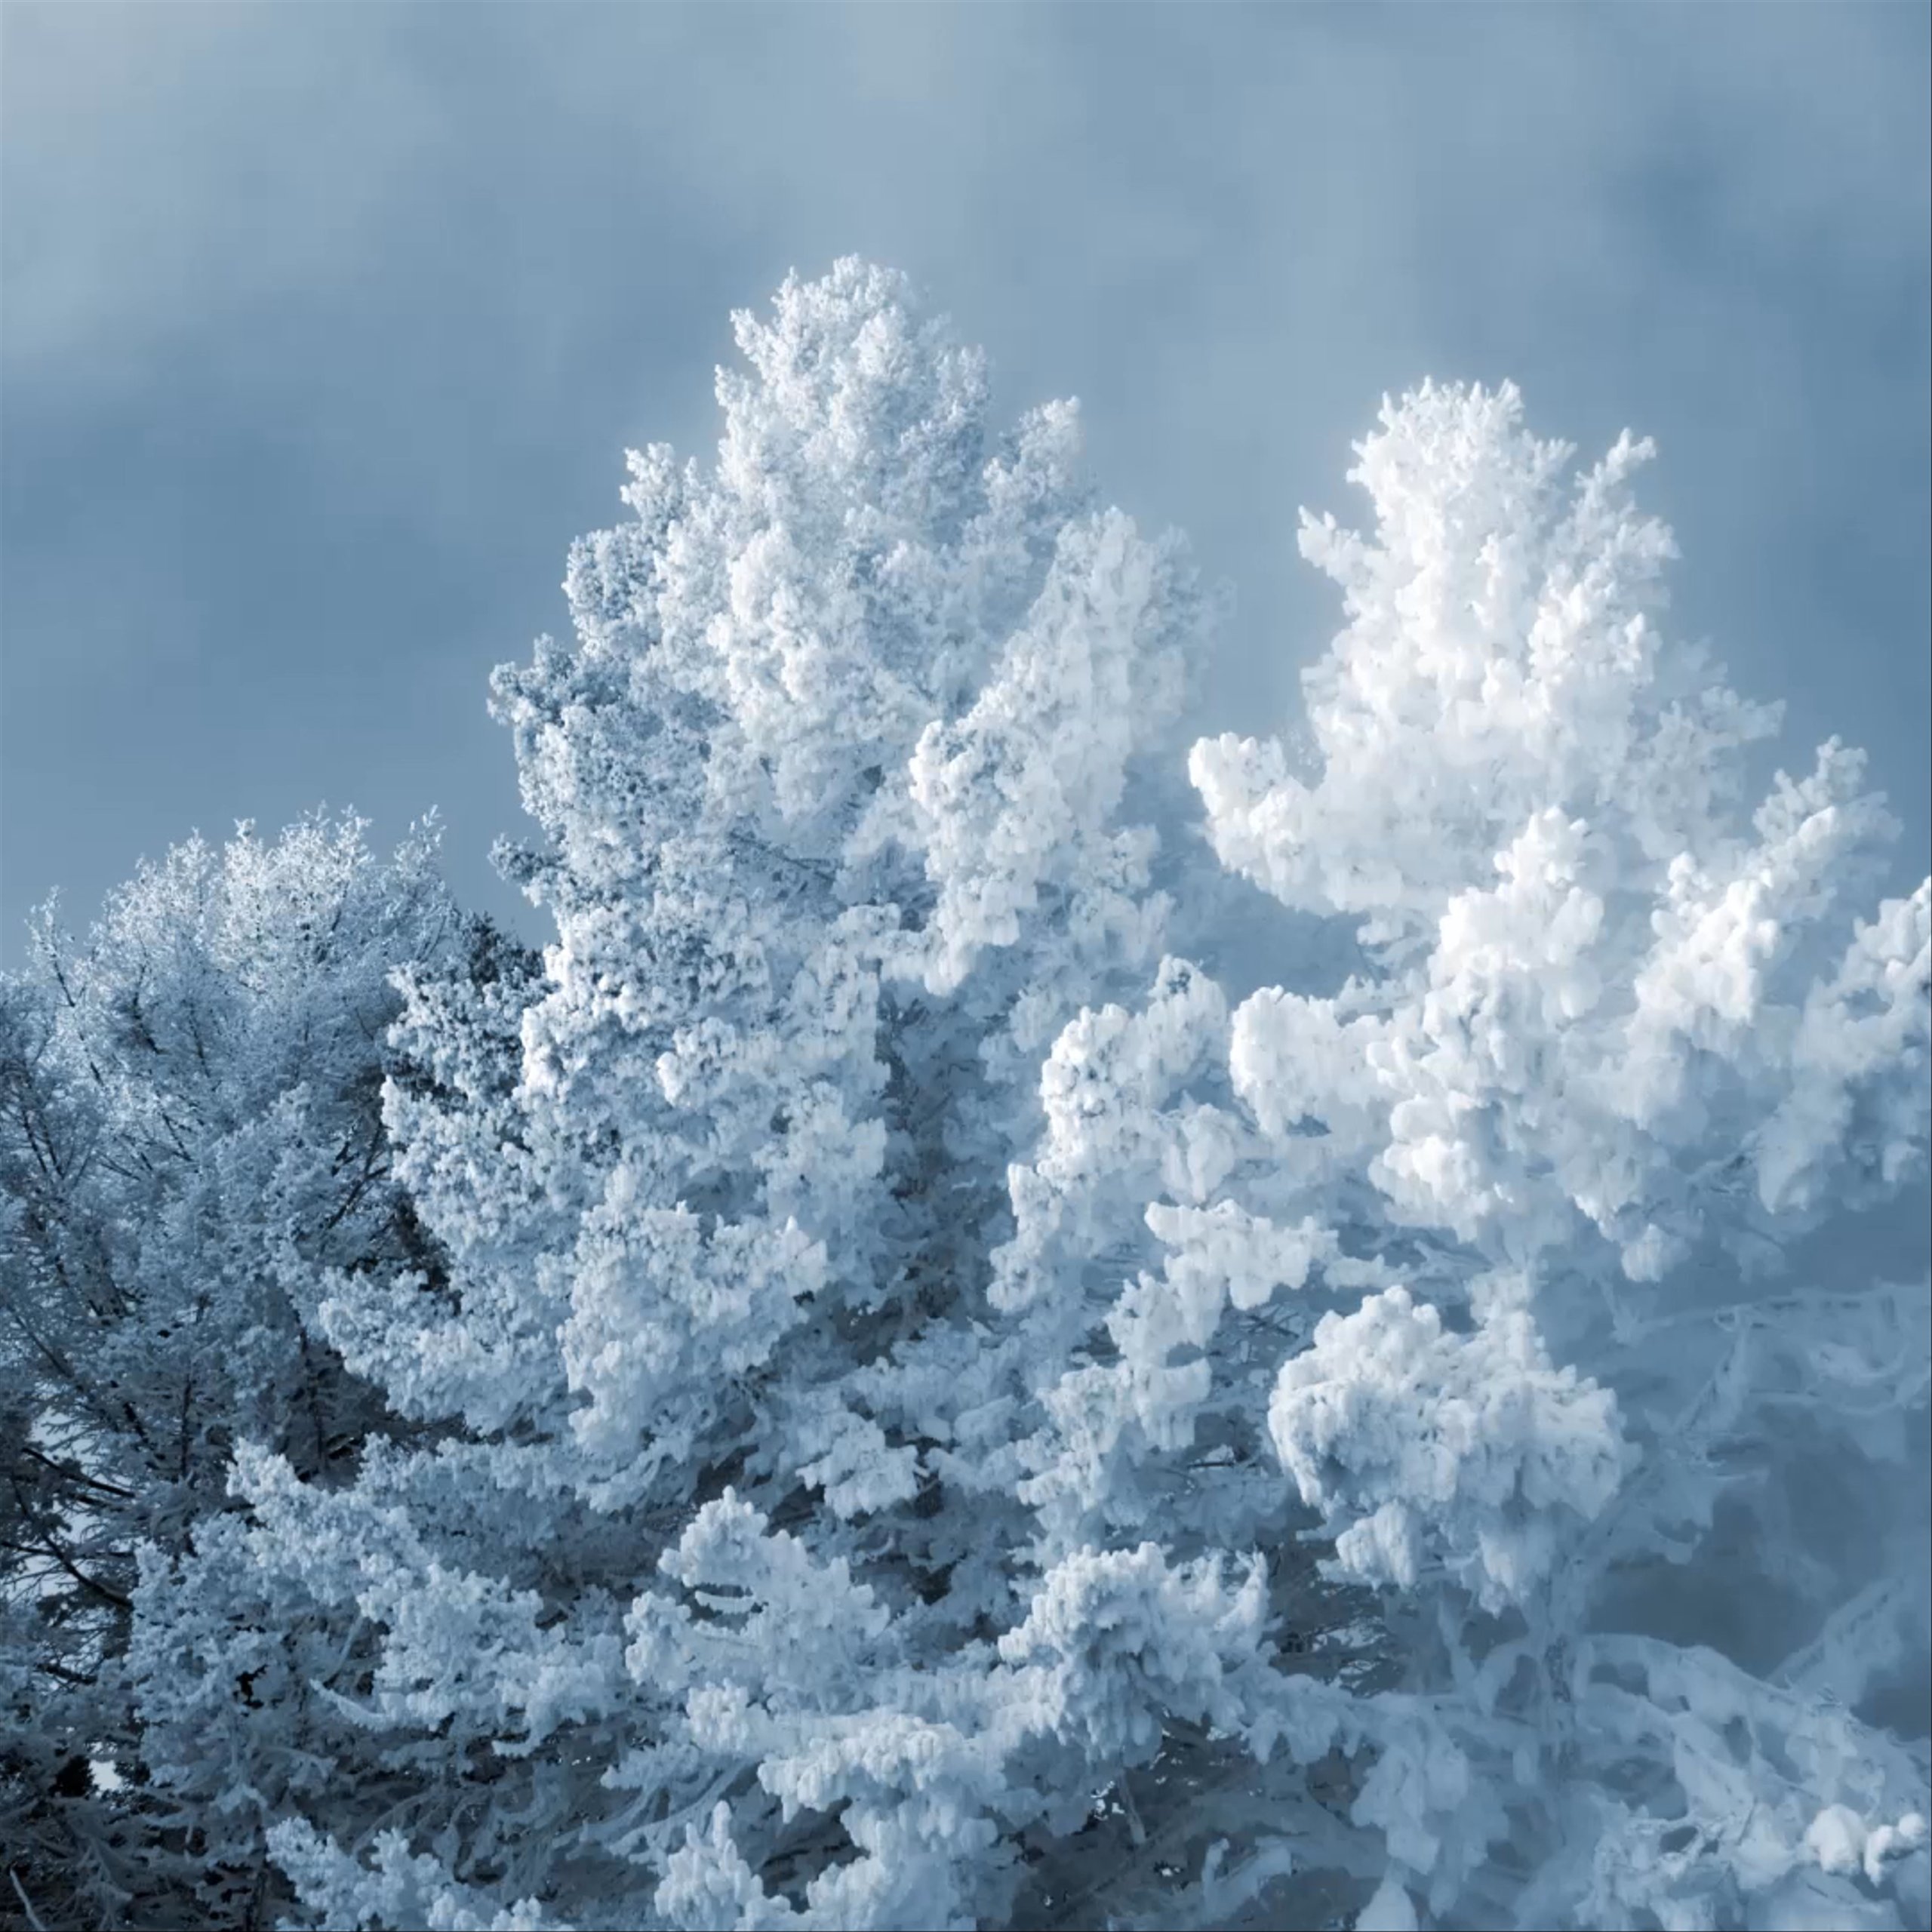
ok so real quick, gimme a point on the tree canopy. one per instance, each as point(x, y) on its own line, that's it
point(883, 1380)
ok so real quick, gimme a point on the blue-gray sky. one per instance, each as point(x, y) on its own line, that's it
point(324, 327)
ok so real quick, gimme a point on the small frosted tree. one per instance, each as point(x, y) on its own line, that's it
point(191, 1141)
point(933, 1411)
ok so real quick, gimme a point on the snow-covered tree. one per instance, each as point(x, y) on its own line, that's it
point(191, 1141)
point(1646, 1514)
point(919, 1405)
point(847, 786)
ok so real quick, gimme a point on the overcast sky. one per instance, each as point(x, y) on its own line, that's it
point(324, 328)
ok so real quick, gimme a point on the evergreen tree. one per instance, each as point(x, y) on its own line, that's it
point(191, 1141)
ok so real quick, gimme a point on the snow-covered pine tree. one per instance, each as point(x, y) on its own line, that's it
point(846, 786)
point(191, 1140)
point(1647, 1509)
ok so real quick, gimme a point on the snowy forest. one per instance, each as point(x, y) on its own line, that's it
point(1018, 1322)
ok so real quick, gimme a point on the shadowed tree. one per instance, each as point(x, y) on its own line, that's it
point(191, 1141)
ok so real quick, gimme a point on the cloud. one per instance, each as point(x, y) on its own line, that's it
point(325, 327)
